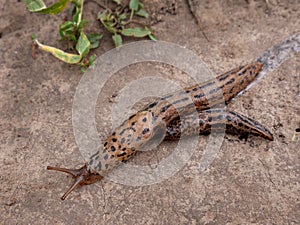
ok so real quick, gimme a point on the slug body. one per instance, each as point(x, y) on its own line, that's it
point(160, 120)
point(215, 120)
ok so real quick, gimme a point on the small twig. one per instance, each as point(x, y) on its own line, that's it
point(33, 47)
point(198, 21)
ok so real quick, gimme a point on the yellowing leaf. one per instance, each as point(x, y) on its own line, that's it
point(136, 32)
point(39, 6)
point(64, 56)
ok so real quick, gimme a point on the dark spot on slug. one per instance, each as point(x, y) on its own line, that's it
point(105, 157)
point(119, 146)
point(114, 139)
point(231, 90)
point(124, 149)
point(199, 95)
point(297, 129)
point(122, 154)
point(133, 123)
point(122, 132)
point(152, 105)
point(223, 78)
point(106, 166)
point(131, 116)
point(187, 91)
point(180, 100)
point(163, 109)
point(98, 167)
point(114, 133)
point(254, 67)
point(230, 81)
point(145, 131)
point(195, 89)
point(201, 123)
point(138, 139)
point(220, 117)
point(94, 155)
point(228, 118)
point(242, 73)
point(112, 148)
point(105, 144)
point(123, 140)
point(112, 156)
point(166, 97)
point(144, 119)
point(215, 90)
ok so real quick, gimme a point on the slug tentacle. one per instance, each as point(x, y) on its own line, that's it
point(82, 176)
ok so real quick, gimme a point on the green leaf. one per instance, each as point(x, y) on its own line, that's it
point(39, 6)
point(134, 5)
point(94, 37)
point(64, 56)
point(66, 28)
point(107, 21)
point(141, 5)
point(83, 45)
point(35, 5)
point(101, 16)
point(117, 1)
point(92, 60)
point(142, 13)
point(122, 16)
point(152, 37)
point(78, 15)
point(117, 40)
point(94, 40)
point(136, 32)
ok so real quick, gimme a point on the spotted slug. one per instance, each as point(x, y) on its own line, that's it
point(160, 119)
point(215, 120)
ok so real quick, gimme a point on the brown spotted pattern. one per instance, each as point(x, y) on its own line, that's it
point(141, 127)
point(215, 120)
point(160, 120)
point(211, 93)
point(123, 143)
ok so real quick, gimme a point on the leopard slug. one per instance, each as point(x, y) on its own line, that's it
point(161, 117)
point(215, 120)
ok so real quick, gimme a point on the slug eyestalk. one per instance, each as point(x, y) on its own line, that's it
point(82, 176)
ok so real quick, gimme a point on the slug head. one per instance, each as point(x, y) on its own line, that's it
point(82, 176)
